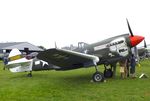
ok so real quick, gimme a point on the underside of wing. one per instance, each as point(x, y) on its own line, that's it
point(66, 59)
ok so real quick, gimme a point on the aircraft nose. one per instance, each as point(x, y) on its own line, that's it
point(135, 40)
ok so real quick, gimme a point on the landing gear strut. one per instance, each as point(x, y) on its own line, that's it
point(29, 74)
point(114, 70)
point(98, 76)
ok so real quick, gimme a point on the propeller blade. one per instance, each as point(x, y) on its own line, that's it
point(145, 45)
point(129, 28)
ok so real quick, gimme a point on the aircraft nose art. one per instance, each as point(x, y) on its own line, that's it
point(135, 40)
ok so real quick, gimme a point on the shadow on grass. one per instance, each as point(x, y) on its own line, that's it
point(55, 77)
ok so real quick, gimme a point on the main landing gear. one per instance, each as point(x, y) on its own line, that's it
point(108, 73)
point(98, 76)
point(29, 74)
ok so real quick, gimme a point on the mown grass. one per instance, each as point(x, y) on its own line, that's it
point(74, 85)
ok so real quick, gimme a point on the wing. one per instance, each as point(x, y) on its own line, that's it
point(66, 59)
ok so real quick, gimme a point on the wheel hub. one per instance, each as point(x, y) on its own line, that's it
point(98, 77)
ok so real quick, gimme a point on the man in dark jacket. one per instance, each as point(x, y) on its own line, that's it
point(132, 64)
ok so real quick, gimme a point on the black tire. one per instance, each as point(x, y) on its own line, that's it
point(98, 77)
point(108, 73)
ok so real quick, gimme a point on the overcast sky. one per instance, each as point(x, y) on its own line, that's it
point(43, 22)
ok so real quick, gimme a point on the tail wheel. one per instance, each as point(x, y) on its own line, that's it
point(98, 77)
point(29, 75)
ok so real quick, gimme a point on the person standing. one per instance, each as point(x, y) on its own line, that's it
point(132, 66)
point(122, 64)
point(5, 60)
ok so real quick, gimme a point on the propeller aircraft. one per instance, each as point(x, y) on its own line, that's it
point(143, 52)
point(106, 52)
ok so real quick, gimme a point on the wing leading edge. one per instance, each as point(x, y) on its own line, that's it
point(67, 59)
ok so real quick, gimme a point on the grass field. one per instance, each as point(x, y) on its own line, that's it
point(73, 85)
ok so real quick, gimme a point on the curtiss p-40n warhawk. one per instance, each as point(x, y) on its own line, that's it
point(107, 52)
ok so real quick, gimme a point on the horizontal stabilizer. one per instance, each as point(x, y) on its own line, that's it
point(18, 63)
